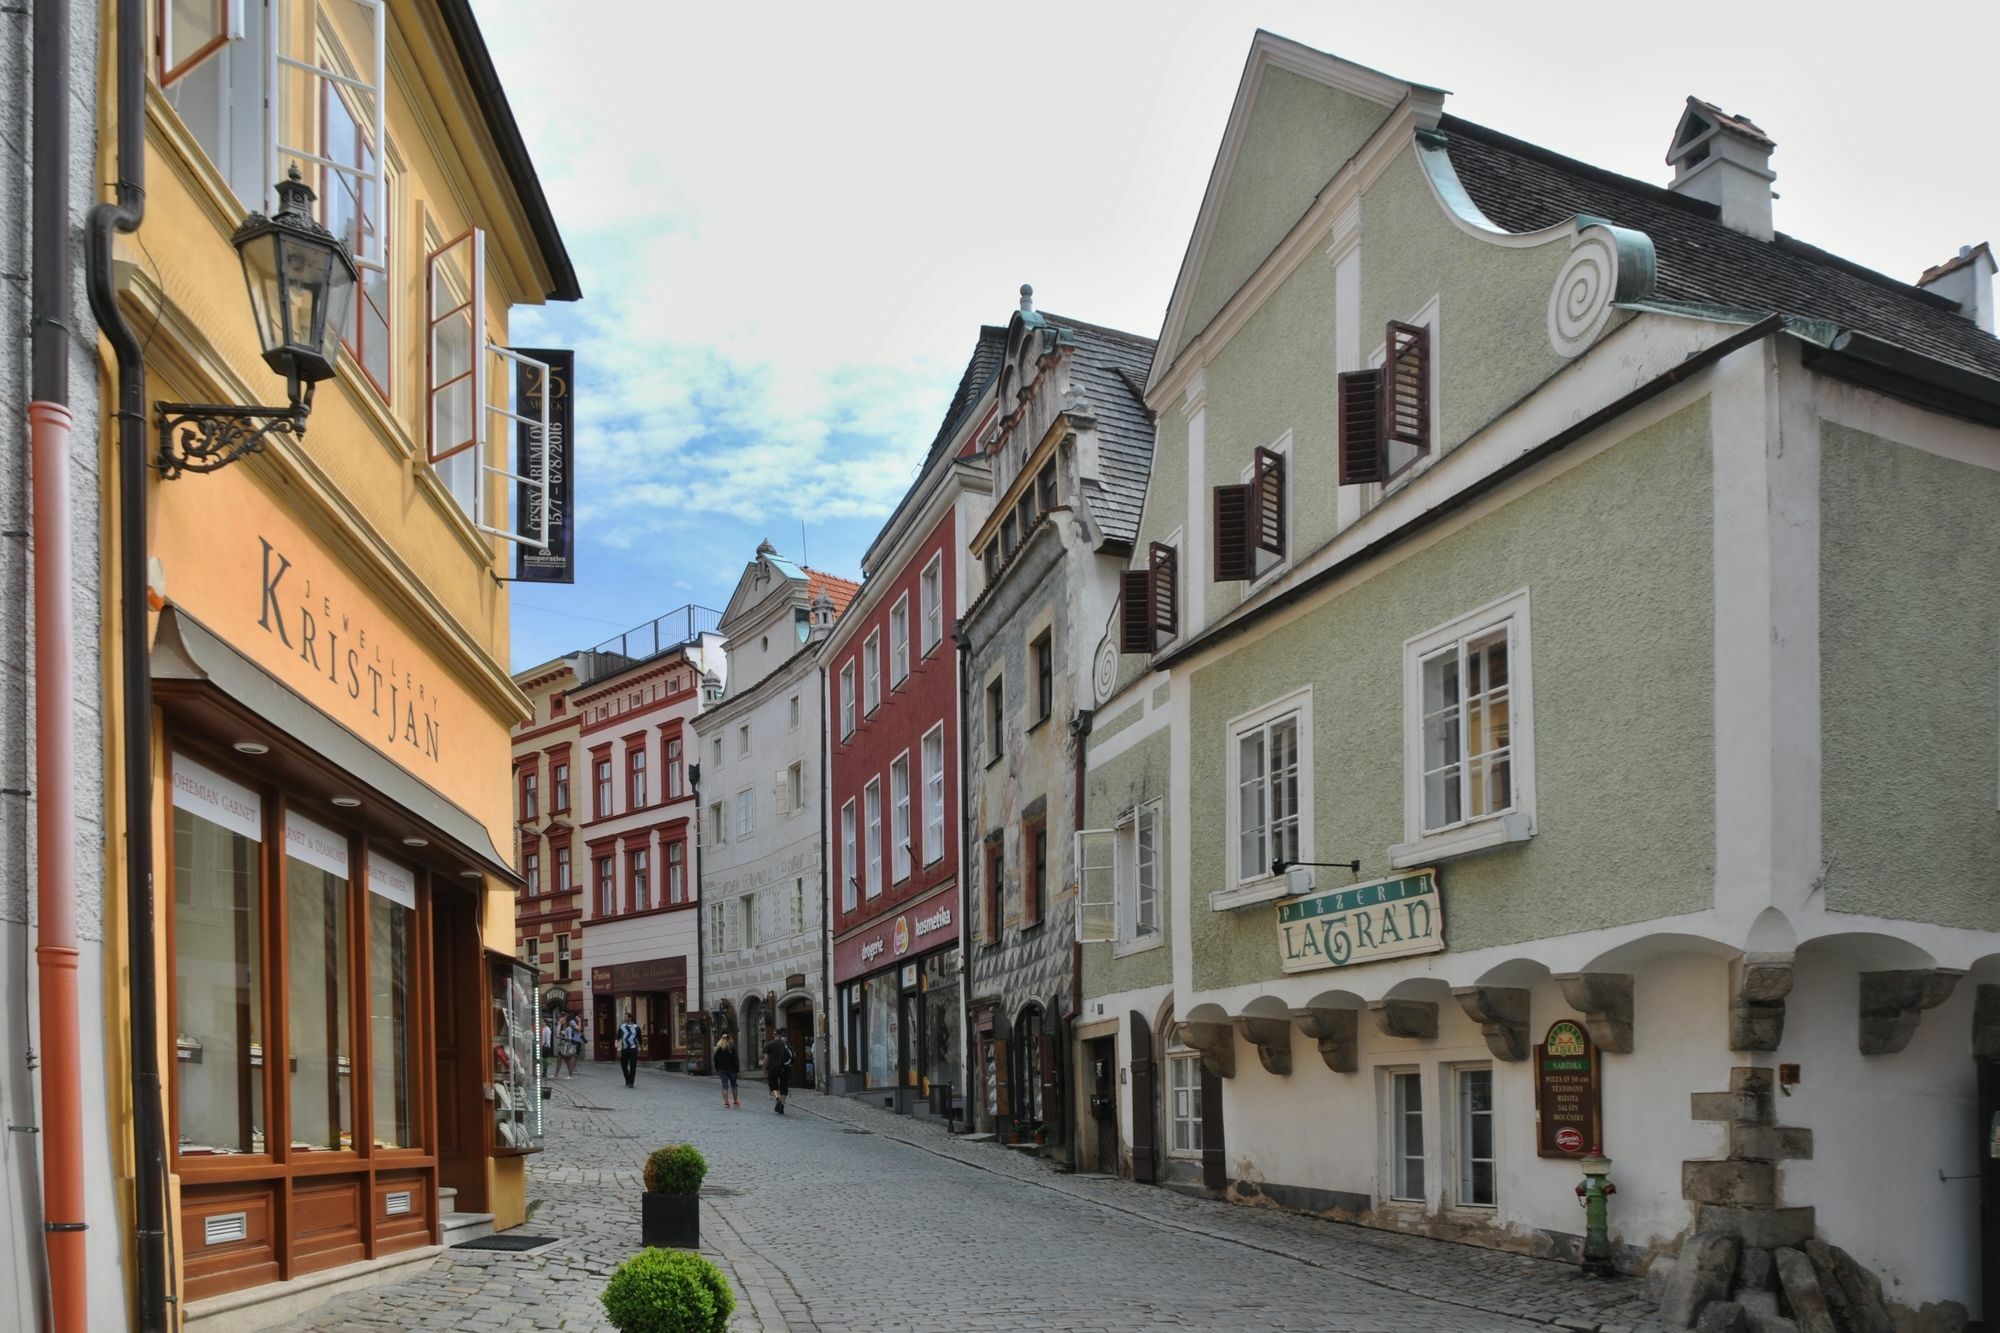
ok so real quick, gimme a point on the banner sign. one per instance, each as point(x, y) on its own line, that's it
point(558, 563)
point(1569, 1103)
point(1361, 923)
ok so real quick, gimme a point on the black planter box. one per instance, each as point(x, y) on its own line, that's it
point(670, 1221)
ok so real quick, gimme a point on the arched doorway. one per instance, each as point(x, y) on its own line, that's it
point(796, 1022)
point(751, 1040)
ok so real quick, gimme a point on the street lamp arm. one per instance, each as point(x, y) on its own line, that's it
point(206, 437)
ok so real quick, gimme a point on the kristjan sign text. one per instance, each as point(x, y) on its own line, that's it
point(1361, 923)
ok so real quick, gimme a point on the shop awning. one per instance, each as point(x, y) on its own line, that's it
point(192, 666)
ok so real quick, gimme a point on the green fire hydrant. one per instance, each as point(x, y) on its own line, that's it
point(1593, 1196)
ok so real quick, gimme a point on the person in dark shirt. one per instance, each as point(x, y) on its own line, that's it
point(727, 1065)
point(778, 1070)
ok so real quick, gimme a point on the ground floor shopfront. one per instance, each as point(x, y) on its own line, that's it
point(898, 998)
point(340, 1042)
point(652, 992)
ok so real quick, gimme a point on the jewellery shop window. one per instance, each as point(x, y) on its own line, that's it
point(517, 1060)
point(287, 977)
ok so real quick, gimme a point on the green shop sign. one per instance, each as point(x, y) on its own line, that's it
point(1361, 923)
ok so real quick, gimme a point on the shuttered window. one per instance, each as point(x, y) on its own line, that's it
point(1149, 602)
point(1267, 503)
point(1385, 414)
point(1234, 555)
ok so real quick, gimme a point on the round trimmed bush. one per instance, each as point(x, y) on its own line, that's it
point(668, 1291)
point(676, 1170)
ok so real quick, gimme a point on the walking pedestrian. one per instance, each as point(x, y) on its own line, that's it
point(778, 1070)
point(727, 1065)
point(548, 1043)
point(628, 1047)
point(572, 1043)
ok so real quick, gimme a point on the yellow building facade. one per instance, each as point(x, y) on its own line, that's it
point(347, 1036)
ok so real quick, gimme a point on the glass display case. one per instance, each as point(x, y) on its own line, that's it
point(517, 1058)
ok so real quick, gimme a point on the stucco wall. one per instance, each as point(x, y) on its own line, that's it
point(1909, 554)
point(1300, 131)
point(1615, 553)
point(1112, 789)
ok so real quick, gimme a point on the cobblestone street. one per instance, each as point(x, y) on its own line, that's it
point(959, 1236)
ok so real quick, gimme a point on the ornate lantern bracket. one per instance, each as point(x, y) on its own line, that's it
point(205, 437)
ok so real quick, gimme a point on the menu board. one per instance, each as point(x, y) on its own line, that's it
point(1569, 1104)
point(517, 1059)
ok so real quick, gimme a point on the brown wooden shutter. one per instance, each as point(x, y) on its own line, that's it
point(1163, 571)
point(1135, 597)
point(1045, 1054)
point(1002, 1072)
point(1360, 427)
point(1233, 554)
point(1145, 1158)
point(1267, 513)
point(1214, 1153)
point(1406, 374)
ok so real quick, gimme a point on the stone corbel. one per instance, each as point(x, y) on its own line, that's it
point(1405, 1018)
point(1502, 1015)
point(1605, 1001)
point(1273, 1039)
point(1217, 1044)
point(1892, 1002)
point(1336, 1032)
point(1757, 1008)
point(1986, 1023)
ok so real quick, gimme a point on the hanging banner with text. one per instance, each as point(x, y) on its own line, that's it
point(1569, 1103)
point(1361, 923)
point(558, 563)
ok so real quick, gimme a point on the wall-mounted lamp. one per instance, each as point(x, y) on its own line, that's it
point(1298, 874)
point(301, 282)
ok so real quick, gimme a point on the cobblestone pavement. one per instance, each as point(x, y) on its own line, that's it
point(840, 1218)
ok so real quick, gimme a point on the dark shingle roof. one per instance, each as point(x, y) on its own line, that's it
point(1106, 368)
point(1522, 188)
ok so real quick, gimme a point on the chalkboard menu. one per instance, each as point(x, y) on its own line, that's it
point(1569, 1105)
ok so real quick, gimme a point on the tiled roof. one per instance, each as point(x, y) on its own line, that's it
point(839, 589)
point(1522, 188)
point(1106, 368)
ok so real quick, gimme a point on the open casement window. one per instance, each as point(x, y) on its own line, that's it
point(190, 31)
point(325, 114)
point(1097, 885)
point(476, 390)
point(1385, 413)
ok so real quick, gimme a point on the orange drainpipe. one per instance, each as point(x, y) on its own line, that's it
point(55, 874)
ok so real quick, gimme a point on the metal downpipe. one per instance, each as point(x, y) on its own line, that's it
point(56, 955)
point(106, 221)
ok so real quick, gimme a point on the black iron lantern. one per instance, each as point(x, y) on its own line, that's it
point(301, 280)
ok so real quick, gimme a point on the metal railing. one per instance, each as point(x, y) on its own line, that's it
point(658, 635)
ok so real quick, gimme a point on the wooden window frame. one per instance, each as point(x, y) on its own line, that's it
point(604, 877)
point(930, 599)
point(639, 877)
point(1034, 869)
point(993, 888)
point(635, 777)
point(1044, 651)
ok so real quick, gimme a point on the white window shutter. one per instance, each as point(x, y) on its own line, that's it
point(1097, 878)
point(782, 785)
point(502, 409)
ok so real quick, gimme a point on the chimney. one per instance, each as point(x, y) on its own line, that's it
point(1968, 280)
point(821, 623)
point(1726, 160)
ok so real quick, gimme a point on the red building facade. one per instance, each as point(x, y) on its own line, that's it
point(894, 827)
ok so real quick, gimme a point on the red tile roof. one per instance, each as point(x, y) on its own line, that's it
point(841, 590)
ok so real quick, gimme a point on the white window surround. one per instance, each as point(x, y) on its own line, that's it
point(899, 641)
point(1397, 1189)
point(900, 856)
point(871, 673)
point(848, 879)
point(746, 812)
point(1183, 1103)
point(1516, 824)
point(1129, 866)
point(871, 884)
point(1267, 887)
point(933, 764)
point(1464, 1139)
point(931, 601)
point(1282, 447)
point(847, 698)
point(1426, 318)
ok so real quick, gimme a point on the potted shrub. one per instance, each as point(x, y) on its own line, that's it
point(670, 1210)
point(668, 1291)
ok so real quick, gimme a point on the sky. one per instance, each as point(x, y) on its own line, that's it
point(789, 221)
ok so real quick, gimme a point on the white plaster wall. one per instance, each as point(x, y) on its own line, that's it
point(1884, 1126)
point(1323, 1130)
point(668, 935)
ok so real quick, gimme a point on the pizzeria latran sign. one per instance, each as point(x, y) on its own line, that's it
point(1361, 923)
